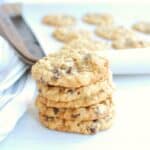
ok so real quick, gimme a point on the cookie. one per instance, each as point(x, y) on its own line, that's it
point(142, 27)
point(67, 35)
point(84, 113)
point(58, 20)
point(113, 32)
point(95, 99)
point(98, 18)
point(124, 43)
point(75, 69)
point(82, 127)
point(61, 94)
point(85, 44)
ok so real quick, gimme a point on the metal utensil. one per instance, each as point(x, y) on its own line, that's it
point(14, 29)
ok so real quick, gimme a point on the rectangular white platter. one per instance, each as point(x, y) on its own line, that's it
point(124, 15)
point(121, 62)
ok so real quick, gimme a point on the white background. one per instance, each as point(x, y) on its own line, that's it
point(79, 1)
point(131, 129)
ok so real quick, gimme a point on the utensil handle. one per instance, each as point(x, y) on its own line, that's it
point(10, 33)
point(12, 9)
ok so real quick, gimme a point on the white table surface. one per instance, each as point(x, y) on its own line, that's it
point(131, 129)
point(77, 1)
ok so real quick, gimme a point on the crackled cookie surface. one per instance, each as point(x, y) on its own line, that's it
point(75, 69)
point(58, 20)
point(84, 113)
point(124, 43)
point(95, 99)
point(113, 32)
point(83, 127)
point(87, 44)
point(67, 34)
point(98, 18)
point(62, 94)
point(142, 27)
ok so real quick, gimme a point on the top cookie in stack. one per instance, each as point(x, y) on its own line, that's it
point(75, 92)
point(75, 69)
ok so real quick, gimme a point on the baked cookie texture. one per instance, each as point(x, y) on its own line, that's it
point(114, 32)
point(85, 44)
point(82, 127)
point(98, 18)
point(59, 20)
point(62, 94)
point(78, 103)
point(124, 43)
point(92, 112)
point(75, 91)
point(142, 27)
point(67, 35)
point(75, 69)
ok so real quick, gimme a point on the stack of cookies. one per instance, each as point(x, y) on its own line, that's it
point(75, 92)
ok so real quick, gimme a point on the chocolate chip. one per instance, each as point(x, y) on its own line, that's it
point(50, 118)
point(75, 115)
point(93, 130)
point(49, 85)
point(69, 70)
point(87, 57)
point(78, 124)
point(56, 110)
point(70, 91)
point(40, 90)
point(78, 92)
point(96, 120)
point(61, 90)
point(56, 73)
point(55, 78)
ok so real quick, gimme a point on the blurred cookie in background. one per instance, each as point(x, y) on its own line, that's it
point(142, 27)
point(112, 32)
point(86, 44)
point(59, 20)
point(98, 18)
point(68, 34)
point(125, 43)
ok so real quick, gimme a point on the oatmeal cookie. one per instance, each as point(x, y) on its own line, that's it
point(84, 113)
point(113, 32)
point(124, 43)
point(82, 127)
point(85, 44)
point(142, 27)
point(98, 18)
point(75, 69)
point(61, 94)
point(58, 20)
point(95, 99)
point(67, 35)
